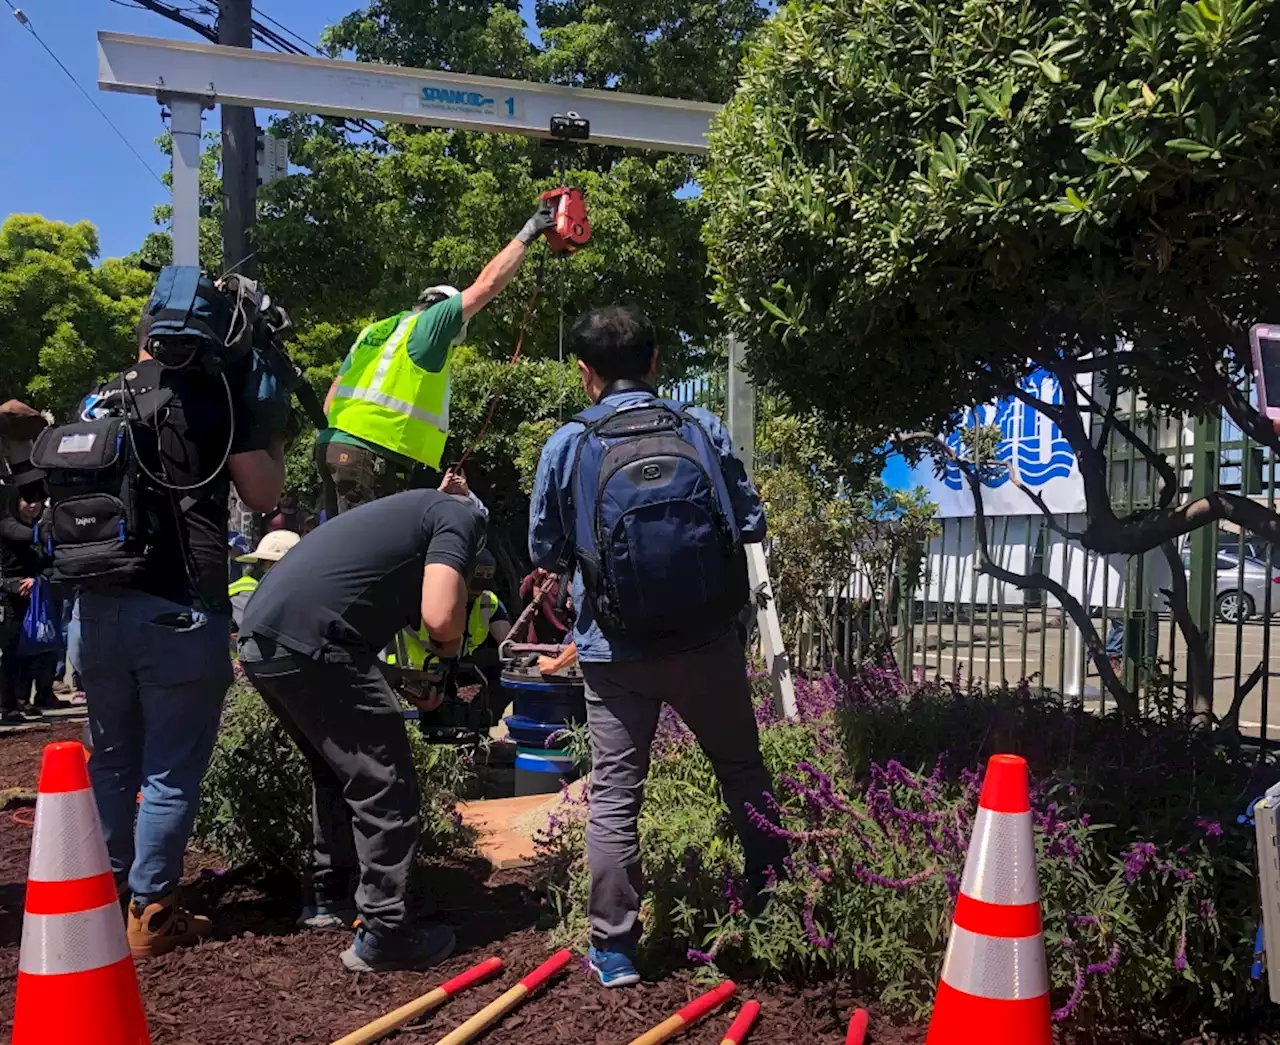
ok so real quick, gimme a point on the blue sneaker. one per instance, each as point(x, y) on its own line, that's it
point(419, 948)
point(613, 968)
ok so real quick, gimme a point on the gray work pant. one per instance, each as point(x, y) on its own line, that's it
point(708, 688)
point(365, 798)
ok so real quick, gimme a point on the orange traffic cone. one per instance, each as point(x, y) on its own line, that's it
point(995, 981)
point(76, 981)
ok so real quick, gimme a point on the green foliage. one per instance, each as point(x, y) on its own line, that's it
point(827, 524)
point(374, 221)
point(1148, 896)
point(371, 224)
point(677, 48)
point(257, 792)
point(64, 323)
point(911, 201)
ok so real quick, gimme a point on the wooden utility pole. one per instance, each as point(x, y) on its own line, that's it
point(239, 151)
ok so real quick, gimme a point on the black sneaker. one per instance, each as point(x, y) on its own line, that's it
point(30, 713)
point(11, 717)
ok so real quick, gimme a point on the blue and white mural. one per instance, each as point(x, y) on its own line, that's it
point(1032, 448)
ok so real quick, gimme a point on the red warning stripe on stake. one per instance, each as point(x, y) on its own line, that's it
point(79, 894)
point(989, 919)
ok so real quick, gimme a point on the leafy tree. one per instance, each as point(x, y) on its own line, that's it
point(376, 218)
point(834, 533)
point(64, 323)
point(677, 48)
point(914, 204)
point(371, 225)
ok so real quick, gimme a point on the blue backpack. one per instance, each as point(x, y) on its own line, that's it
point(656, 539)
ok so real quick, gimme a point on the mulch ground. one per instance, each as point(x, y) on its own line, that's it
point(259, 982)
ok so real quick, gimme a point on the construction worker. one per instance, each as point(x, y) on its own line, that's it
point(388, 406)
point(271, 549)
point(310, 644)
point(487, 618)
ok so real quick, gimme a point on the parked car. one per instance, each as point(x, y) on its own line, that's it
point(1242, 594)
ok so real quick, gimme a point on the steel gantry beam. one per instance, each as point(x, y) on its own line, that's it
point(298, 83)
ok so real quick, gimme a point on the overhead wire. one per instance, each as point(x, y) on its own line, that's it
point(25, 21)
point(285, 29)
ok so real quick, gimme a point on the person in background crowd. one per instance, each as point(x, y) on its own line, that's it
point(21, 562)
point(696, 665)
point(271, 549)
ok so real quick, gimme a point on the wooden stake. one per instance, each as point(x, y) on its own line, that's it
point(495, 1010)
point(686, 1017)
point(741, 1026)
point(420, 1006)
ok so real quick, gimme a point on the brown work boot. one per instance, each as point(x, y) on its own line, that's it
point(163, 926)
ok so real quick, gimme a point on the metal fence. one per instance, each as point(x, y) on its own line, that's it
point(963, 625)
point(960, 624)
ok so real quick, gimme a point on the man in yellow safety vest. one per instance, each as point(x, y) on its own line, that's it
point(486, 618)
point(388, 407)
point(271, 549)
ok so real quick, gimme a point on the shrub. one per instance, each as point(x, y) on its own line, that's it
point(257, 793)
point(1148, 898)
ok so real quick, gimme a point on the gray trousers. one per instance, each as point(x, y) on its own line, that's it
point(365, 798)
point(708, 688)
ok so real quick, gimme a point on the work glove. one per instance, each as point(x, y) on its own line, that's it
point(544, 218)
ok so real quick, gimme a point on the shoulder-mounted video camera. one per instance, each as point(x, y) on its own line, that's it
point(213, 325)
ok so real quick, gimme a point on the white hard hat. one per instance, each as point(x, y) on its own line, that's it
point(448, 292)
point(272, 547)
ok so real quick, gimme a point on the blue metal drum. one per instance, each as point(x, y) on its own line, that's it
point(542, 706)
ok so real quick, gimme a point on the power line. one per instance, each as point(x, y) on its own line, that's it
point(25, 21)
point(179, 15)
point(262, 33)
point(289, 32)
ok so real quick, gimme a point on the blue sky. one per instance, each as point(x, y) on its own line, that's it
point(58, 157)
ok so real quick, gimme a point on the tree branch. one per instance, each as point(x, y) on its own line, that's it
point(1246, 417)
point(1157, 460)
point(1050, 519)
point(1125, 701)
point(1199, 668)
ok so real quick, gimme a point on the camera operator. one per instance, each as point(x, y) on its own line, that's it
point(154, 654)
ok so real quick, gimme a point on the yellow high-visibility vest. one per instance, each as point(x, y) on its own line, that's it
point(242, 585)
point(482, 611)
point(385, 398)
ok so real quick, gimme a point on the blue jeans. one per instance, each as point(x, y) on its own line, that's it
point(155, 674)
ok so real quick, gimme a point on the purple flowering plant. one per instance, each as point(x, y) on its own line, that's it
point(875, 789)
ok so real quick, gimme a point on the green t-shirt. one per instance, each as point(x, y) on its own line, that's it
point(430, 345)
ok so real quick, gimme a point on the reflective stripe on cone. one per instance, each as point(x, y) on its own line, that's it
point(1001, 867)
point(999, 969)
point(58, 944)
point(76, 980)
point(994, 988)
point(67, 841)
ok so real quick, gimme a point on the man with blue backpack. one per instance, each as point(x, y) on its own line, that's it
point(644, 499)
